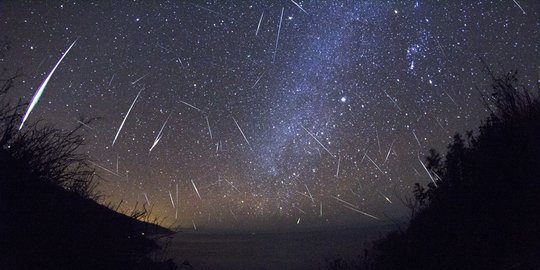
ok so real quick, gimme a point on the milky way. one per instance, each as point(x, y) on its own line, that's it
point(266, 113)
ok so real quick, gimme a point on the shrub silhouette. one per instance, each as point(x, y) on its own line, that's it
point(49, 219)
point(483, 210)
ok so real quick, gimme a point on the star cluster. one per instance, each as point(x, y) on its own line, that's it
point(266, 113)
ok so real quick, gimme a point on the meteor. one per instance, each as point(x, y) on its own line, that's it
point(41, 88)
point(259, 26)
point(379, 168)
point(146, 197)
point(209, 129)
point(191, 106)
point(354, 208)
point(105, 169)
point(111, 80)
point(172, 201)
point(84, 124)
point(393, 101)
point(159, 134)
point(389, 150)
point(417, 140)
point(278, 32)
point(385, 197)
point(427, 171)
point(196, 190)
point(137, 80)
point(361, 212)
point(244, 135)
point(125, 117)
point(522, 10)
point(313, 136)
point(258, 79)
point(232, 213)
point(310, 196)
point(300, 7)
point(338, 162)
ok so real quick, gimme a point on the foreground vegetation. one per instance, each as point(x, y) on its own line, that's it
point(49, 216)
point(482, 211)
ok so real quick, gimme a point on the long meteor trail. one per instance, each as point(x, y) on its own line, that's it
point(209, 129)
point(125, 117)
point(278, 32)
point(41, 88)
point(313, 136)
point(156, 141)
point(196, 190)
point(239, 128)
point(259, 25)
point(189, 105)
point(140, 78)
point(522, 10)
point(300, 7)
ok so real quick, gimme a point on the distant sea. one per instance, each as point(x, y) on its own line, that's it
point(272, 250)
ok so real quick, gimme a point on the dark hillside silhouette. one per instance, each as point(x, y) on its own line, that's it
point(483, 211)
point(49, 219)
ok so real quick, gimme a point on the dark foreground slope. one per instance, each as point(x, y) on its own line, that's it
point(48, 216)
point(43, 226)
point(483, 211)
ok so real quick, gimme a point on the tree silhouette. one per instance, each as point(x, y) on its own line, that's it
point(483, 211)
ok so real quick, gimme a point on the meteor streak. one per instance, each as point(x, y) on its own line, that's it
point(427, 171)
point(386, 198)
point(111, 80)
point(310, 196)
point(172, 201)
point(300, 7)
point(244, 135)
point(231, 185)
point(259, 25)
point(389, 150)
point(522, 10)
point(338, 162)
point(379, 168)
point(125, 117)
point(354, 208)
point(418, 141)
point(278, 32)
point(234, 216)
point(191, 105)
point(393, 100)
point(258, 79)
point(361, 212)
point(84, 124)
point(146, 197)
point(41, 88)
point(313, 136)
point(159, 134)
point(209, 129)
point(196, 190)
point(103, 168)
point(137, 80)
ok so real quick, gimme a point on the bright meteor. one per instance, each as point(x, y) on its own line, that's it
point(41, 88)
point(125, 117)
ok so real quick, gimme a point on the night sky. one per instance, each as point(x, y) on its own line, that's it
point(265, 113)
